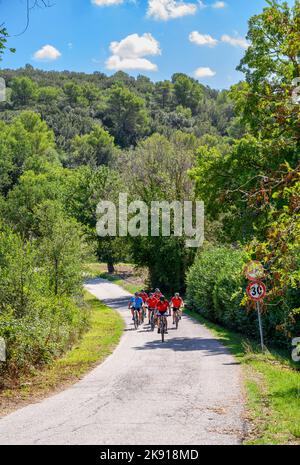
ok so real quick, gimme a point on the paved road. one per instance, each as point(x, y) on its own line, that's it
point(185, 391)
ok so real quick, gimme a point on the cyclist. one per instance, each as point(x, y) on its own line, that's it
point(151, 303)
point(143, 294)
point(157, 293)
point(162, 307)
point(136, 303)
point(177, 304)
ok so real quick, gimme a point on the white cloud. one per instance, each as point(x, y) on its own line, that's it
point(235, 41)
point(202, 39)
point(116, 63)
point(134, 46)
point(204, 72)
point(219, 5)
point(47, 53)
point(130, 53)
point(170, 9)
point(107, 2)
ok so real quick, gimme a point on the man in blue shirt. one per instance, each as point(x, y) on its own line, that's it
point(136, 303)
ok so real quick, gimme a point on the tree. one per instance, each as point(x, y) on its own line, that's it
point(164, 94)
point(85, 188)
point(47, 95)
point(93, 149)
point(239, 184)
point(188, 92)
point(126, 117)
point(3, 41)
point(24, 91)
point(74, 94)
point(61, 249)
point(270, 64)
point(280, 252)
point(167, 163)
point(6, 159)
point(16, 272)
point(31, 191)
point(27, 137)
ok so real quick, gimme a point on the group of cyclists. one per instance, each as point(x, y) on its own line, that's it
point(157, 307)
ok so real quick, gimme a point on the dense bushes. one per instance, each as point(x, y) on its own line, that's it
point(48, 328)
point(215, 286)
point(216, 289)
point(38, 321)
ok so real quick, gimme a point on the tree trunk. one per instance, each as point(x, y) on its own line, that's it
point(110, 267)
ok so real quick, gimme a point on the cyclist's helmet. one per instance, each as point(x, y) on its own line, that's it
point(176, 294)
point(136, 294)
point(162, 298)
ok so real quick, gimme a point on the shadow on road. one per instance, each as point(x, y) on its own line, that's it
point(185, 344)
point(119, 303)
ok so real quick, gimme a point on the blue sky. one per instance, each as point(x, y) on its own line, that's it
point(151, 37)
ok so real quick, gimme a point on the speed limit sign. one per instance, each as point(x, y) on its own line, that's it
point(256, 290)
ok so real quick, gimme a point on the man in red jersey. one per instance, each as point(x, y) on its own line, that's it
point(177, 304)
point(162, 308)
point(151, 303)
point(143, 294)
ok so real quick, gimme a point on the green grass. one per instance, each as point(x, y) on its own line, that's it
point(106, 327)
point(105, 331)
point(272, 388)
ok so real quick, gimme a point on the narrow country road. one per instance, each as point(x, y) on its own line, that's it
point(185, 391)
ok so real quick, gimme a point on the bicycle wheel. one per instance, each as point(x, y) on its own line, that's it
point(152, 322)
point(176, 320)
point(136, 320)
point(162, 329)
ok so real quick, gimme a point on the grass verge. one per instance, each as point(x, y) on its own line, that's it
point(97, 343)
point(272, 388)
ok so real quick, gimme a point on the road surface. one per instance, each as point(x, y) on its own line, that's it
point(185, 391)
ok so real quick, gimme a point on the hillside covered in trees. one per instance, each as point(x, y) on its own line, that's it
point(69, 140)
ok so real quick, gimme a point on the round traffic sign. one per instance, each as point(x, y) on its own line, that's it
point(254, 270)
point(256, 291)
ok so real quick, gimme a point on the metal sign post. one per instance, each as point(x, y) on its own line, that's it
point(256, 291)
point(260, 326)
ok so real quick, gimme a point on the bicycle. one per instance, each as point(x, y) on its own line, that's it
point(136, 318)
point(143, 314)
point(176, 316)
point(152, 318)
point(163, 327)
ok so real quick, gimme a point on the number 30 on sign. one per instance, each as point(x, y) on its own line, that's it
point(256, 291)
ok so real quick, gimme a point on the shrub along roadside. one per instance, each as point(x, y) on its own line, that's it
point(272, 385)
point(41, 310)
point(216, 289)
point(106, 327)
